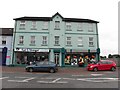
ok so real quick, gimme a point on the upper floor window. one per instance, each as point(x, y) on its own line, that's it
point(68, 39)
point(57, 40)
point(90, 27)
point(44, 40)
point(91, 43)
point(34, 25)
point(21, 39)
point(80, 41)
point(22, 24)
point(57, 25)
point(32, 40)
point(68, 26)
point(45, 25)
point(3, 40)
point(80, 25)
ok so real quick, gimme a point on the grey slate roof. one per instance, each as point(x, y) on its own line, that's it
point(50, 18)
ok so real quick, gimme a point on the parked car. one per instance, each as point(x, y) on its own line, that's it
point(42, 66)
point(102, 65)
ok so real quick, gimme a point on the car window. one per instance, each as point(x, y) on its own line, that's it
point(51, 62)
point(104, 62)
point(40, 63)
point(109, 62)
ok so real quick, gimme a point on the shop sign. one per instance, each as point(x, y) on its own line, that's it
point(43, 50)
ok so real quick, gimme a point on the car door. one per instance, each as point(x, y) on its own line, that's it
point(39, 66)
point(102, 65)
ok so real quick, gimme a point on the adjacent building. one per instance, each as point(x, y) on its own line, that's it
point(58, 39)
point(6, 36)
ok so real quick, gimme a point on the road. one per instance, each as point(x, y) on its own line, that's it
point(100, 79)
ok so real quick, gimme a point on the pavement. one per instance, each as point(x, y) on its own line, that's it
point(68, 70)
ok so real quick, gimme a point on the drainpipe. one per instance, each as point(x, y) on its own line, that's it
point(14, 35)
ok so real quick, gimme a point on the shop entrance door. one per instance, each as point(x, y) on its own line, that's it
point(56, 58)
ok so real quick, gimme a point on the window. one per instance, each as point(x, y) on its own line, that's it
point(34, 23)
point(22, 24)
point(91, 41)
point(45, 25)
point(57, 40)
point(57, 25)
point(68, 26)
point(21, 39)
point(32, 40)
point(90, 27)
point(80, 41)
point(80, 27)
point(3, 40)
point(44, 41)
point(68, 41)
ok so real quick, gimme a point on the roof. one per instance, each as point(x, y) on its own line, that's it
point(6, 31)
point(50, 18)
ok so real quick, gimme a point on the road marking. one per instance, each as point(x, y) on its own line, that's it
point(70, 78)
point(51, 82)
point(25, 80)
point(96, 74)
point(3, 78)
point(56, 80)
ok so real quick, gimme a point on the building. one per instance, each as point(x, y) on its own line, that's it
point(58, 39)
point(6, 36)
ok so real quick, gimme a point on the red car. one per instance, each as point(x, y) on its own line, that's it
point(102, 65)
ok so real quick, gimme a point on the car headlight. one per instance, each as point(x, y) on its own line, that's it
point(91, 66)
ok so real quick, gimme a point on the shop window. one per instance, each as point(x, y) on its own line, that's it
point(67, 60)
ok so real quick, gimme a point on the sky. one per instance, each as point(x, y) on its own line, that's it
point(104, 11)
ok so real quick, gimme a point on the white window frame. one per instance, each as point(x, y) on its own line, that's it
point(91, 41)
point(80, 27)
point(32, 40)
point(68, 26)
point(34, 25)
point(44, 40)
point(68, 41)
point(4, 39)
point(90, 27)
point(80, 41)
point(45, 25)
point(21, 39)
point(57, 25)
point(57, 40)
point(22, 23)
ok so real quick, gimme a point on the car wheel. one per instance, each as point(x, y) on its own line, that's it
point(30, 69)
point(113, 69)
point(52, 70)
point(95, 69)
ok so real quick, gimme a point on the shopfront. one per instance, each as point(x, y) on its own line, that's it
point(72, 57)
point(24, 56)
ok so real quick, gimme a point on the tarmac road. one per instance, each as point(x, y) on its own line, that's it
point(65, 78)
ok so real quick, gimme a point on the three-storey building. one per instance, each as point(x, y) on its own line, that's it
point(58, 39)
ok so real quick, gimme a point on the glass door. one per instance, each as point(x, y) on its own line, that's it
point(56, 58)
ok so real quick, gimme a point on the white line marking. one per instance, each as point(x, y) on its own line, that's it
point(16, 81)
point(50, 82)
point(70, 78)
point(96, 74)
point(29, 79)
point(78, 75)
point(56, 80)
point(4, 78)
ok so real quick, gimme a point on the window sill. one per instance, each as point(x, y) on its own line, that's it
point(68, 29)
point(57, 45)
point(80, 45)
point(44, 45)
point(32, 44)
point(80, 30)
point(56, 28)
point(33, 28)
point(21, 44)
point(44, 29)
point(21, 28)
point(69, 45)
point(91, 45)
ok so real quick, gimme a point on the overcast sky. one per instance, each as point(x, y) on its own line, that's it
point(104, 11)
